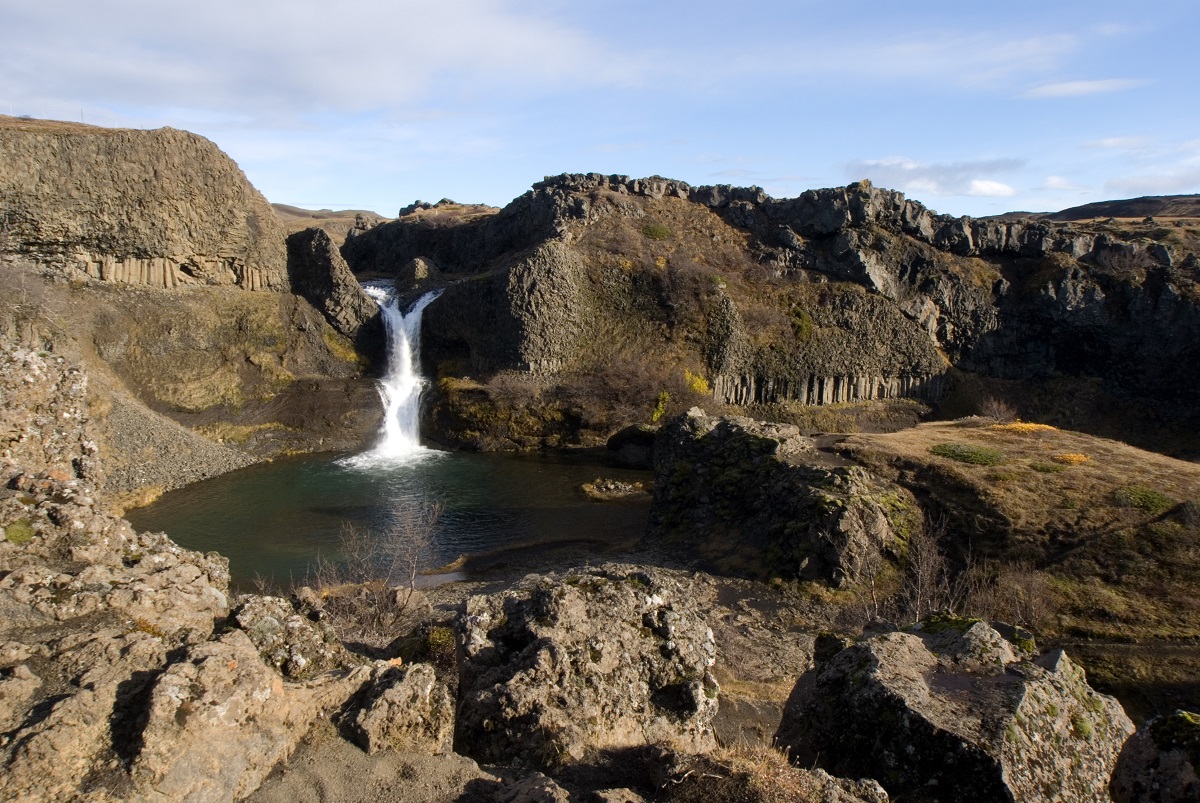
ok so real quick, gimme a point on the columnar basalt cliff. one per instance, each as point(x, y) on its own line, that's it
point(839, 295)
point(132, 251)
point(65, 201)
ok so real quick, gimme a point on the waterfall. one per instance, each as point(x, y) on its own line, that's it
point(400, 389)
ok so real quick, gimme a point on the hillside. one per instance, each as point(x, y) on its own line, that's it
point(591, 298)
point(1166, 206)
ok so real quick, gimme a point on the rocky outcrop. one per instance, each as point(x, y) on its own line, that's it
point(731, 487)
point(954, 712)
point(599, 659)
point(1159, 763)
point(160, 208)
point(406, 709)
point(218, 689)
point(530, 316)
point(319, 274)
point(115, 680)
point(295, 640)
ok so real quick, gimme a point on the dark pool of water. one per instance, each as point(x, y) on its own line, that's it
point(272, 520)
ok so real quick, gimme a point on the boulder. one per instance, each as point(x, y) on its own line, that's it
point(1160, 762)
point(406, 709)
point(298, 643)
point(218, 689)
point(953, 712)
point(601, 658)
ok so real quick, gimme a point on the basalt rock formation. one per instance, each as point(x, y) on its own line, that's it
point(757, 497)
point(67, 199)
point(839, 295)
point(130, 252)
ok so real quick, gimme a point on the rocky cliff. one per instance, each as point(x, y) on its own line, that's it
point(839, 295)
point(130, 252)
point(162, 208)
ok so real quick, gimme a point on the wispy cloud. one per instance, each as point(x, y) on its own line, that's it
point(1169, 183)
point(974, 178)
point(1073, 89)
point(1060, 184)
point(1121, 143)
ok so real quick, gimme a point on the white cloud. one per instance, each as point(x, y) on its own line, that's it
point(1061, 183)
point(1166, 183)
point(280, 58)
point(1122, 143)
point(1071, 89)
point(981, 187)
point(919, 179)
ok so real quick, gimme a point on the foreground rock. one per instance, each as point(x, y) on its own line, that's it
point(731, 487)
point(957, 714)
point(605, 658)
point(1159, 763)
point(407, 710)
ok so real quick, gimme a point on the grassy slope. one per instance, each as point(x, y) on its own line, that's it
point(1117, 535)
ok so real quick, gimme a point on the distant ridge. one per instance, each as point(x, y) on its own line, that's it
point(1146, 206)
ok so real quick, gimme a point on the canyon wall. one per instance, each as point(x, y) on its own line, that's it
point(161, 208)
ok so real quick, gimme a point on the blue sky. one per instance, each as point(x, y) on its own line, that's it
point(971, 108)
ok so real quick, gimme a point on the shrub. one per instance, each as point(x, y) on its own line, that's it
point(1144, 499)
point(656, 231)
point(660, 407)
point(969, 453)
point(697, 383)
point(997, 410)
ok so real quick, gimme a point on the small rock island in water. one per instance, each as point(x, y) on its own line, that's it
point(866, 575)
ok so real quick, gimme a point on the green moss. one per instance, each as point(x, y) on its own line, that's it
point(1048, 468)
point(660, 407)
point(1147, 500)
point(1081, 726)
point(802, 325)
point(20, 531)
point(941, 622)
point(1179, 731)
point(969, 453)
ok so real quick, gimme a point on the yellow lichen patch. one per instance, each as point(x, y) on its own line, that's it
point(1023, 426)
point(1071, 458)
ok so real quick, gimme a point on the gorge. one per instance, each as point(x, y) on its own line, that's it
point(824, 388)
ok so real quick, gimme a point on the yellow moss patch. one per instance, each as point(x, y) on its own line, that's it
point(1071, 458)
point(1023, 426)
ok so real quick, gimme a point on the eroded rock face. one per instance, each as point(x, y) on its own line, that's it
point(958, 714)
point(406, 709)
point(729, 484)
point(319, 273)
point(604, 658)
point(1159, 763)
point(163, 208)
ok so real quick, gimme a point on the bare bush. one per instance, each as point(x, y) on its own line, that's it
point(998, 410)
point(368, 593)
point(1015, 593)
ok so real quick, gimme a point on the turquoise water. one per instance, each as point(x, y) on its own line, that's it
point(272, 520)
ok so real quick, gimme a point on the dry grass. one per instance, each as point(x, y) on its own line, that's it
point(1101, 519)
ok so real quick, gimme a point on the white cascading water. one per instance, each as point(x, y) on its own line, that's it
point(400, 389)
